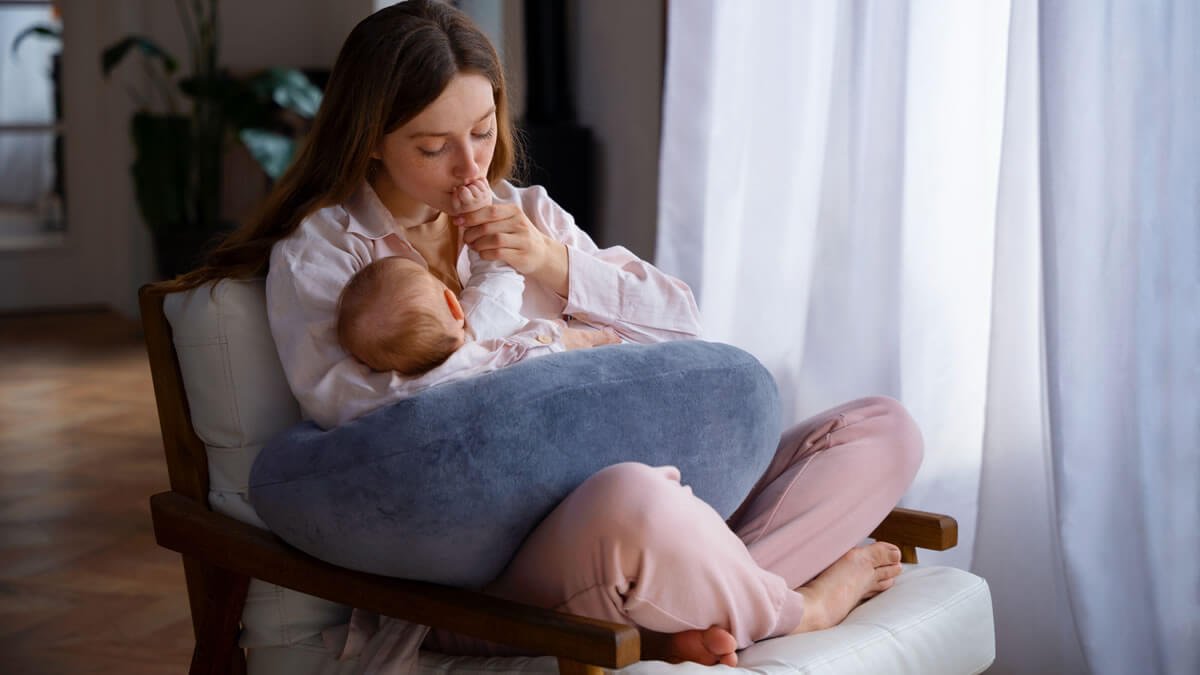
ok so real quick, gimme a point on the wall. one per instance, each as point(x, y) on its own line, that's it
point(107, 254)
point(74, 273)
point(618, 63)
point(616, 53)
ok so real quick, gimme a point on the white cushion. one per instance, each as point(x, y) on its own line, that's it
point(935, 619)
point(238, 399)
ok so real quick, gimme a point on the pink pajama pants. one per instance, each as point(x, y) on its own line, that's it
point(633, 545)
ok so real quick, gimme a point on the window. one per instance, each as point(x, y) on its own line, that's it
point(31, 130)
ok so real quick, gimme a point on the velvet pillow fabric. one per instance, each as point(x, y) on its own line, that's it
point(444, 486)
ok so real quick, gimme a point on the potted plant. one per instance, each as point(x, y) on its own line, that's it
point(179, 148)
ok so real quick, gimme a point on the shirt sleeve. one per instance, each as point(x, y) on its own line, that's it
point(306, 275)
point(613, 287)
point(492, 298)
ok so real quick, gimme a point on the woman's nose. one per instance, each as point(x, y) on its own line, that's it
point(466, 165)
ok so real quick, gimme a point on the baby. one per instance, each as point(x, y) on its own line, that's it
point(395, 315)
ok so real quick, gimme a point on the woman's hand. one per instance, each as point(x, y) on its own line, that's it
point(503, 232)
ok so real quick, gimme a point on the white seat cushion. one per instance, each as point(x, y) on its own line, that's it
point(935, 619)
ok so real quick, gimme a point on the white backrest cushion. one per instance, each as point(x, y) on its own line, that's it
point(239, 398)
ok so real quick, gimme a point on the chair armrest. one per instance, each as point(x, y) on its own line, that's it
point(909, 529)
point(183, 525)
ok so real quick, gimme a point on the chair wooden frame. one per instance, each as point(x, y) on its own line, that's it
point(221, 555)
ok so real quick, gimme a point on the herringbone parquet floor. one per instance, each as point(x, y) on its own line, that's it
point(83, 587)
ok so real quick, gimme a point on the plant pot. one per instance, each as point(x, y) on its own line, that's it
point(161, 170)
point(182, 248)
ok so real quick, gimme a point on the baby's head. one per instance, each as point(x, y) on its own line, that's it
point(395, 315)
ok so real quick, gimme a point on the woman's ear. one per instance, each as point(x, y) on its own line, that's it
point(456, 309)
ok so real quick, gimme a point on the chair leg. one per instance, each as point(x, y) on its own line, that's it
point(569, 667)
point(216, 619)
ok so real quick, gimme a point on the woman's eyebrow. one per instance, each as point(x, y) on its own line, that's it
point(421, 134)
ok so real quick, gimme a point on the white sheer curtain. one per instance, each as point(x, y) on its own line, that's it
point(828, 188)
point(1121, 229)
point(925, 200)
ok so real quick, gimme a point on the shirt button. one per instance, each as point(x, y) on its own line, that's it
point(545, 339)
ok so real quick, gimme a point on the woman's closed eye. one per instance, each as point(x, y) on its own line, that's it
point(480, 136)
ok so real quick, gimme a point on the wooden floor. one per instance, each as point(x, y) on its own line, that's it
point(83, 588)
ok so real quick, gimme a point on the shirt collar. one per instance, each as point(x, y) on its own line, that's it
point(368, 216)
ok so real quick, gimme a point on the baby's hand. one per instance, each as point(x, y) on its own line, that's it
point(471, 197)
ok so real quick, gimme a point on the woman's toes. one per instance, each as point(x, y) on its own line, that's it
point(882, 553)
point(719, 641)
point(891, 552)
point(885, 577)
point(878, 587)
point(706, 647)
point(888, 571)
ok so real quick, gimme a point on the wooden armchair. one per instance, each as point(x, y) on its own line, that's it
point(221, 555)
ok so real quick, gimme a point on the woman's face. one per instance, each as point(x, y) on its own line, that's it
point(450, 143)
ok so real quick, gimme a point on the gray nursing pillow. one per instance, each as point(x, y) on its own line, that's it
point(445, 485)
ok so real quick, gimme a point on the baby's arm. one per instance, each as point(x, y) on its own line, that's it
point(493, 295)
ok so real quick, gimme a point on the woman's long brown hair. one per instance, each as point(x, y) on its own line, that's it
point(393, 64)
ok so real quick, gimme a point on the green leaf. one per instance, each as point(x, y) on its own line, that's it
point(43, 30)
point(272, 151)
point(289, 88)
point(116, 52)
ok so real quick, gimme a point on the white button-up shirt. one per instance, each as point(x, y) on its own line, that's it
point(606, 287)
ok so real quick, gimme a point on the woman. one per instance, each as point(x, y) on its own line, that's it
point(416, 107)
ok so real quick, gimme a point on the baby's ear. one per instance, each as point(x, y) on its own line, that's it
point(456, 309)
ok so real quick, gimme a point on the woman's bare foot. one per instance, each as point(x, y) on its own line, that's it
point(861, 573)
point(708, 647)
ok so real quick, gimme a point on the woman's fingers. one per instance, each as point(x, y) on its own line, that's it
point(505, 254)
point(512, 225)
point(518, 258)
point(504, 229)
point(518, 249)
point(495, 240)
point(487, 214)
